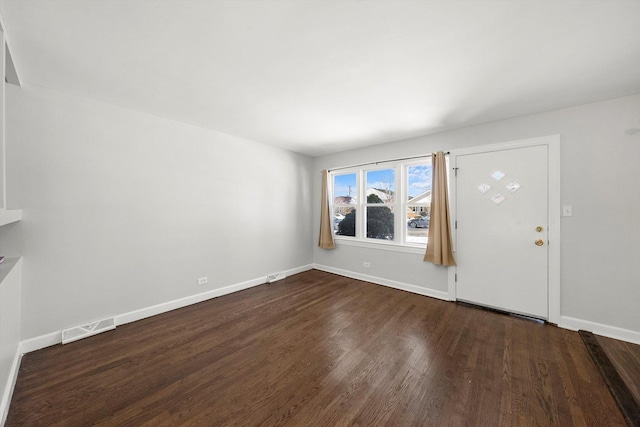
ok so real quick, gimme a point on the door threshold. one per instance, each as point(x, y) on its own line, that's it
point(507, 313)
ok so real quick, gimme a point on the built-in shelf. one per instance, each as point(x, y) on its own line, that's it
point(7, 266)
point(7, 216)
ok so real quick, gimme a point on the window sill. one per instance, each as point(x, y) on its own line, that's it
point(383, 246)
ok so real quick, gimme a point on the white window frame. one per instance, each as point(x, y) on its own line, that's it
point(366, 205)
point(405, 202)
point(399, 204)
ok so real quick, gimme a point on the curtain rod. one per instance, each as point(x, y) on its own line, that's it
point(382, 161)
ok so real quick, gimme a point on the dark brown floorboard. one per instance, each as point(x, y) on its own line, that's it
point(317, 349)
point(625, 359)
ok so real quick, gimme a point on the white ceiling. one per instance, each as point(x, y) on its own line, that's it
point(323, 76)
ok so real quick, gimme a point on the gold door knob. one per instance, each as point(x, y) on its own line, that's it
point(539, 229)
point(539, 242)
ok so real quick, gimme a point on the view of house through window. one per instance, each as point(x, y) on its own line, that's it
point(381, 194)
point(418, 202)
point(345, 191)
point(389, 204)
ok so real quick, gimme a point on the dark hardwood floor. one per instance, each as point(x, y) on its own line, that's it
point(318, 349)
point(625, 357)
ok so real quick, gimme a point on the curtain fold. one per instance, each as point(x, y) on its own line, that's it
point(439, 247)
point(325, 240)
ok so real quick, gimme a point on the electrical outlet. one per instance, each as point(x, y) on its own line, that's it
point(366, 264)
point(202, 280)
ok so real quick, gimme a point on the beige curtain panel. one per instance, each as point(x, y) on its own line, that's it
point(439, 247)
point(325, 241)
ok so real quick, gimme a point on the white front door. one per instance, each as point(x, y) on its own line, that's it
point(502, 211)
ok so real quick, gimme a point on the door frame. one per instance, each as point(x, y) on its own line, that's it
point(554, 211)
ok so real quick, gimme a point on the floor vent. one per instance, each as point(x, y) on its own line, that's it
point(83, 331)
point(276, 276)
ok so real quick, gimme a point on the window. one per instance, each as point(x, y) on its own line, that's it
point(417, 203)
point(386, 205)
point(345, 191)
point(380, 192)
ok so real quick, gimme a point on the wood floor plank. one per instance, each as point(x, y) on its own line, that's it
point(621, 393)
point(625, 357)
point(317, 349)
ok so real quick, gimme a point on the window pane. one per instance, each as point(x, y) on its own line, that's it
point(417, 225)
point(381, 186)
point(344, 189)
point(419, 198)
point(419, 186)
point(379, 222)
point(344, 221)
point(345, 192)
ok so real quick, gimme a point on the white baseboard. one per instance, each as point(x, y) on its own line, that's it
point(10, 385)
point(385, 282)
point(54, 338)
point(164, 307)
point(132, 316)
point(42, 341)
point(600, 329)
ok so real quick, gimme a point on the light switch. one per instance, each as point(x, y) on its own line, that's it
point(567, 211)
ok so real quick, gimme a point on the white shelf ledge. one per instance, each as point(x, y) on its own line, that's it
point(6, 268)
point(8, 216)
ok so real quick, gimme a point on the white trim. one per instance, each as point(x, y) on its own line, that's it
point(41, 341)
point(614, 332)
point(54, 338)
point(384, 282)
point(520, 143)
point(10, 385)
point(164, 307)
point(3, 120)
point(453, 215)
point(555, 213)
point(553, 144)
point(451, 280)
point(381, 246)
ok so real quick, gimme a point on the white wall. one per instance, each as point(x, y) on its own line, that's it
point(600, 155)
point(123, 210)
